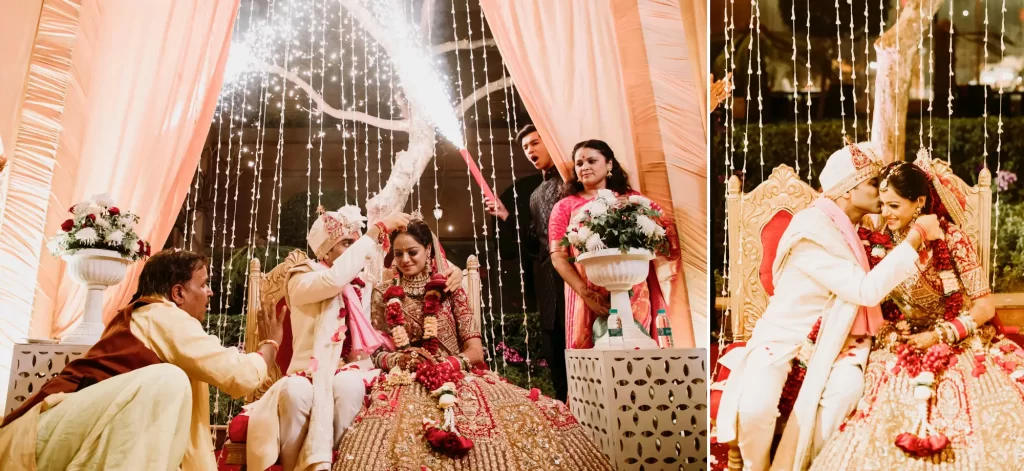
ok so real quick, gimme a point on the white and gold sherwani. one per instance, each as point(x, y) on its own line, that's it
point(299, 419)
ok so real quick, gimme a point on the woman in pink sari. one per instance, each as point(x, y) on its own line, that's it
point(595, 169)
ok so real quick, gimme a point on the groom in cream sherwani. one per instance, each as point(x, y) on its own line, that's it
point(821, 271)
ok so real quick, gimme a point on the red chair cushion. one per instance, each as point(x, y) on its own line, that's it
point(770, 235)
point(284, 354)
point(723, 374)
point(238, 428)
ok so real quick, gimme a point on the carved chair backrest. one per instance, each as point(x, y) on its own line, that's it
point(757, 220)
point(267, 290)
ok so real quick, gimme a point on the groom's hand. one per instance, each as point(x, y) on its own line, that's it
point(930, 224)
point(454, 279)
point(923, 340)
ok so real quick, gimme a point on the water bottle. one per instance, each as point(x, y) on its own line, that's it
point(664, 330)
point(615, 328)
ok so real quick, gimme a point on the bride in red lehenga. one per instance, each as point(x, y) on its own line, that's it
point(453, 415)
point(943, 388)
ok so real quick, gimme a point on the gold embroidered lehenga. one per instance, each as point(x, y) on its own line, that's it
point(977, 402)
point(511, 428)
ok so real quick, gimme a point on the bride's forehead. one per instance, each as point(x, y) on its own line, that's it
point(405, 241)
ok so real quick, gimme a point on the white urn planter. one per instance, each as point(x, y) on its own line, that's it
point(618, 272)
point(97, 269)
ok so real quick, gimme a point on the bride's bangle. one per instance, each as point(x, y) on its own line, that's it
point(920, 231)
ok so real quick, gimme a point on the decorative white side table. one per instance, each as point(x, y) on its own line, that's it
point(33, 365)
point(643, 407)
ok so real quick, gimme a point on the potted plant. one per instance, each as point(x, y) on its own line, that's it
point(616, 238)
point(98, 242)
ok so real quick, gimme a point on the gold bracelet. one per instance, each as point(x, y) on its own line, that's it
point(276, 345)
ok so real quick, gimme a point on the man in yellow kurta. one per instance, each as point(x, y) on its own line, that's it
point(139, 398)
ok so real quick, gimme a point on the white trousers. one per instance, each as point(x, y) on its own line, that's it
point(296, 401)
point(763, 378)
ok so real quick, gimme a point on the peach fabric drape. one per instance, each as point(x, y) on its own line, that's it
point(147, 79)
point(585, 69)
point(568, 81)
point(36, 43)
point(113, 96)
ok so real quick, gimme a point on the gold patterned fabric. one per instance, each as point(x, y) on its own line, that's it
point(510, 431)
point(980, 410)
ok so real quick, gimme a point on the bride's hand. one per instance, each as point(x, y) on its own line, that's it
point(930, 224)
point(922, 341)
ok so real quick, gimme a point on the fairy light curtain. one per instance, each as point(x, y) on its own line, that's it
point(314, 112)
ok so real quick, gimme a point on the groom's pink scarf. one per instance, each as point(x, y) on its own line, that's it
point(869, 318)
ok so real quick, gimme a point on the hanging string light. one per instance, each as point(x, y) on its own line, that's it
point(279, 154)
point(920, 77)
point(489, 304)
point(355, 126)
point(895, 122)
point(760, 95)
point(810, 133)
point(931, 76)
point(366, 109)
point(839, 51)
point(320, 117)
point(309, 118)
point(796, 88)
point(999, 139)
point(750, 72)
point(984, 112)
point(853, 66)
point(949, 94)
point(867, 69)
point(376, 90)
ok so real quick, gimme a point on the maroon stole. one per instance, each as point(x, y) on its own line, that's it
point(117, 352)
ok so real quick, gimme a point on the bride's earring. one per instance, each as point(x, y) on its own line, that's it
point(917, 213)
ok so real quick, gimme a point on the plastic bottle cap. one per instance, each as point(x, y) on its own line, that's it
point(613, 311)
point(661, 312)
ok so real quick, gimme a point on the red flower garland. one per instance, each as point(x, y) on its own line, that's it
point(795, 379)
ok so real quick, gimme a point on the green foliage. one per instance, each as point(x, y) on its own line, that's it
point(229, 328)
point(296, 221)
point(1008, 266)
point(512, 349)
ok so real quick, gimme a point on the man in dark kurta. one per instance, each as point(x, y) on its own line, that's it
point(547, 283)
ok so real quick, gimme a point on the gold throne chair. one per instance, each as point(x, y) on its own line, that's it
point(756, 222)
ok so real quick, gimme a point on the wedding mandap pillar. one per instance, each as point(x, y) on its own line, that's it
point(112, 96)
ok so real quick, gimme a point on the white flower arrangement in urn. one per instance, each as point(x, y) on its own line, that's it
point(98, 243)
point(616, 238)
point(97, 224)
point(623, 223)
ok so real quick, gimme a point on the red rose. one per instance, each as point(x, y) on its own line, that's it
point(114, 211)
point(534, 394)
point(91, 218)
point(72, 209)
point(68, 225)
point(448, 443)
point(863, 233)
point(148, 249)
point(878, 238)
